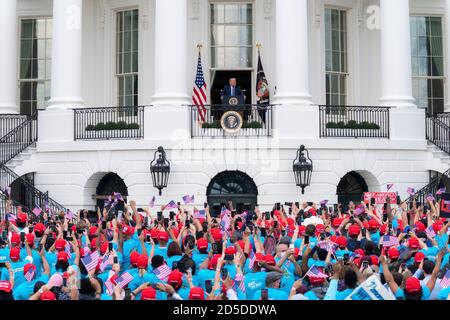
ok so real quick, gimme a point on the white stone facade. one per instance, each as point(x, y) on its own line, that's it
point(294, 60)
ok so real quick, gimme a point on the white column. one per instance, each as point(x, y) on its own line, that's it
point(66, 55)
point(396, 80)
point(170, 53)
point(8, 56)
point(292, 52)
point(447, 53)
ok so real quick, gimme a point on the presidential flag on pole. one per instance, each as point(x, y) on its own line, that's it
point(315, 273)
point(162, 272)
point(262, 90)
point(199, 90)
point(91, 260)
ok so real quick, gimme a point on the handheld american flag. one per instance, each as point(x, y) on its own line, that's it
point(188, 199)
point(327, 245)
point(252, 259)
point(430, 197)
point(29, 275)
point(118, 196)
point(162, 272)
point(104, 262)
point(199, 214)
point(239, 282)
point(11, 217)
point(37, 211)
point(124, 279)
point(225, 222)
point(90, 261)
point(389, 241)
point(171, 205)
point(430, 232)
point(315, 273)
point(199, 91)
point(440, 191)
point(152, 202)
point(224, 211)
point(410, 191)
point(359, 210)
point(389, 186)
point(445, 282)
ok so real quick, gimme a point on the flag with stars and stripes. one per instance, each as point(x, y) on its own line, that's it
point(90, 261)
point(152, 202)
point(162, 272)
point(239, 282)
point(188, 199)
point(389, 241)
point(199, 214)
point(199, 91)
point(104, 262)
point(314, 272)
point(327, 245)
point(389, 186)
point(123, 280)
point(225, 222)
point(252, 260)
point(37, 211)
point(410, 191)
point(440, 191)
point(445, 282)
point(430, 232)
point(171, 205)
point(29, 275)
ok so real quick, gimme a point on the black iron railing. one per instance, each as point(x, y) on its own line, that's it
point(354, 122)
point(13, 208)
point(438, 132)
point(435, 184)
point(35, 197)
point(18, 139)
point(256, 121)
point(109, 123)
point(444, 117)
point(10, 121)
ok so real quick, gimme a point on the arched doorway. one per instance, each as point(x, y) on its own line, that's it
point(351, 188)
point(232, 186)
point(110, 183)
point(22, 192)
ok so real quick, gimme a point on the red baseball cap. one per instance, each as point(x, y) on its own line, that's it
point(22, 217)
point(15, 238)
point(163, 236)
point(337, 222)
point(5, 286)
point(320, 228)
point(354, 230)
point(419, 257)
point(175, 232)
point(412, 285)
point(154, 233)
point(148, 294)
point(202, 244)
point(39, 227)
point(134, 256)
point(30, 239)
point(373, 224)
point(420, 226)
point(270, 260)
point(142, 261)
point(437, 226)
point(104, 247)
point(374, 260)
point(14, 254)
point(175, 278)
point(93, 230)
point(128, 230)
point(213, 262)
point(383, 228)
point(260, 257)
point(360, 252)
point(215, 233)
point(230, 250)
point(301, 230)
point(60, 244)
point(393, 253)
point(342, 242)
point(316, 280)
point(196, 293)
point(241, 244)
point(48, 295)
point(413, 243)
point(63, 256)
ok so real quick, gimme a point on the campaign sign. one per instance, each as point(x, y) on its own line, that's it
point(380, 197)
point(445, 205)
point(371, 289)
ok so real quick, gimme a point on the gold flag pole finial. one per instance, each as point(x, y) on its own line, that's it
point(258, 45)
point(199, 46)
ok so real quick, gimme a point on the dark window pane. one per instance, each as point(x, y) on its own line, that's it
point(25, 91)
point(27, 28)
point(438, 88)
point(127, 20)
point(26, 49)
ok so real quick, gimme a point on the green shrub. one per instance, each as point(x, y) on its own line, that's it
point(352, 124)
point(121, 125)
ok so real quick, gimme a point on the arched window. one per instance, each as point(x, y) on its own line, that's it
point(234, 186)
point(110, 183)
point(351, 188)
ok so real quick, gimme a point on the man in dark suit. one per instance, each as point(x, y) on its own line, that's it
point(232, 89)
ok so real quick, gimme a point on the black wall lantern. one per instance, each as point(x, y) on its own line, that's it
point(303, 168)
point(160, 169)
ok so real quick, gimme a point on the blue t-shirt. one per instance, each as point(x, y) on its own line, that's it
point(254, 282)
point(203, 275)
point(25, 290)
point(274, 294)
point(341, 295)
point(400, 294)
point(19, 277)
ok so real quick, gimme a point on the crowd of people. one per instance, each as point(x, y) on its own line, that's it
point(296, 251)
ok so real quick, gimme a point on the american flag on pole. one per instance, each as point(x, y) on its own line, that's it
point(389, 241)
point(315, 273)
point(199, 91)
point(440, 191)
point(171, 205)
point(162, 272)
point(239, 282)
point(124, 279)
point(327, 245)
point(225, 223)
point(37, 211)
point(199, 214)
point(29, 275)
point(410, 191)
point(252, 259)
point(389, 186)
point(430, 232)
point(104, 262)
point(445, 282)
point(188, 199)
point(91, 260)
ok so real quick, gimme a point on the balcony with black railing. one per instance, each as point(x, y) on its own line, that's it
point(354, 121)
point(438, 131)
point(108, 123)
point(247, 120)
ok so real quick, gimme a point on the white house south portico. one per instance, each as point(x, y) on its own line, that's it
point(109, 81)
